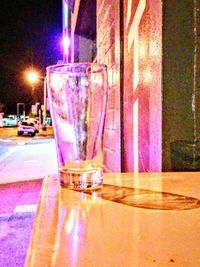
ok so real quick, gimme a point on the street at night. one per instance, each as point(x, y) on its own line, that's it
point(24, 157)
point(29, 40)
point(99, 133)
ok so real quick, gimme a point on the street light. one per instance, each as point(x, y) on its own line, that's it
point(33, 77)
point(66, 48)
point(66, 45)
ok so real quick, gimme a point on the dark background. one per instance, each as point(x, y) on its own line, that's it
point(30, 37)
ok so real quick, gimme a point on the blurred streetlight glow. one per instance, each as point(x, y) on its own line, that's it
point(32, 76)
point(66, 44)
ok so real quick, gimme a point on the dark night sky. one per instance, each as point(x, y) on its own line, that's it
point(30, 35)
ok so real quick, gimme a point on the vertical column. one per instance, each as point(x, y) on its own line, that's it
point(142, 85)
point(108, 52)
point(181, 120)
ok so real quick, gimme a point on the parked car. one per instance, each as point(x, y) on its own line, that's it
point(27, 128)
point(36, 122)
point(10, 120)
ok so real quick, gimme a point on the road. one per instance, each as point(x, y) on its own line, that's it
point(26, 158)
point(24, 161)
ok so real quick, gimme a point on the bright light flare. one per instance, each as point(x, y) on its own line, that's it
point(66, 44)
point(32, 76)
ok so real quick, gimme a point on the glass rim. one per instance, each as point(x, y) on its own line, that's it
point(62, 68)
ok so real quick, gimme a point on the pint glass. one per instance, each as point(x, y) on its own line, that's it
point(78, 98)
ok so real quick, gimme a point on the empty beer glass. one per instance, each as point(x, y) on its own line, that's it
point(78, 96)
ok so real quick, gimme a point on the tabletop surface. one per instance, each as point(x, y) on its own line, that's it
point(144, 219)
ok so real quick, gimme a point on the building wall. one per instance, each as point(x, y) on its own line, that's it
point(152, 52)
point(85, 49)
point(142, 107)
point(108, 52)
point(197, 64)
point(181, 96)
point(132, 31)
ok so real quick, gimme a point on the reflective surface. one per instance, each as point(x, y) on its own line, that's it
point(85, 229)
point(78, 96)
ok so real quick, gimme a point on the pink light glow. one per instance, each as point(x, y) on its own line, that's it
point(66, 44)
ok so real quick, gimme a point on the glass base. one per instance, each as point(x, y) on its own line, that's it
point(81, 181)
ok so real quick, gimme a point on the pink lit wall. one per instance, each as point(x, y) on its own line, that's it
point(151, 48)
point(129, 42)
point(142, 85)
point(108, 52)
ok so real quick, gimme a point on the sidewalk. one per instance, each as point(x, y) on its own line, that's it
point(21, 175)
point(17, 212)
